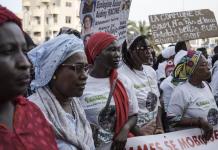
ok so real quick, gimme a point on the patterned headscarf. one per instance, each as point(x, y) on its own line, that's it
point(47, 57)
point(185, 68)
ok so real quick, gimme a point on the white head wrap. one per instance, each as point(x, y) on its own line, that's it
point(47, 57)
point(168, 52)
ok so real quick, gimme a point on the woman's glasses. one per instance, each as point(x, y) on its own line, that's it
point(78, 68)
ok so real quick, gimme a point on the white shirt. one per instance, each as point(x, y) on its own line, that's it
point(161, 70)
point(214, 81)
point(188, 101)
point(94, 99)
point(167, 87)
point(147, 92)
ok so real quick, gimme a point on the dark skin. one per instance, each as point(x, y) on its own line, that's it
point(201, 73)
point(74, 85)
point(103, 64)
point(15, 70)
point(140, 57)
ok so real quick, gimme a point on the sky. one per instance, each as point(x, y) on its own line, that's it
point(141, 9)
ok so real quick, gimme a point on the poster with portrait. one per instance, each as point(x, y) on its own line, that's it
point(106, 16)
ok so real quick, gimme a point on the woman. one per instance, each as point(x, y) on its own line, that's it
point(214, 78)
point(22, 124)
point(108, 99)
point(60, 76)
point(192, 103)
point(135, 55)
point(87, 25)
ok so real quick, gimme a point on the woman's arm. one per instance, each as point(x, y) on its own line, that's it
point(198, 123)
point(121, 138)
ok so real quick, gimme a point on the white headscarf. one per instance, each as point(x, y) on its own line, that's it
point(48, 56)
point(168, 52)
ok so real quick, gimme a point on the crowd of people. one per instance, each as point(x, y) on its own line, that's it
point(67, 95)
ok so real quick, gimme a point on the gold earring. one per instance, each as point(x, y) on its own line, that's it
point(54, 77)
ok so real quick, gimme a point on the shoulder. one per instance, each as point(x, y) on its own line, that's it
point(125, 80)
point(182, 88)
point(166, 83)
point(149, 69)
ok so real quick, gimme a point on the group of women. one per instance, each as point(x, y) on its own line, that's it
point(92, 97)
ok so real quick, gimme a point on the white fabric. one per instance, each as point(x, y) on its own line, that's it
point(168, 52)
point(161, 70)
point(63, 127)
point(62, 145)
point(167, 87)
point(188, 101)
point(46, 57)
point(94, 99)
point(147, 92)
point(214, 81)
point(179, 56)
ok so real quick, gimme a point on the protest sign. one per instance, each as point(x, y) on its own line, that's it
point(182, 26)
point(190, 139)
point(105, 15)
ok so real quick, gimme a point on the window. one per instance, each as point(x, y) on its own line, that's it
point(38, 20)
point(27, 8)
point(47, 20)
point(68, 4)
point(55, 32)
point(55, 17)
point(68, 19)
point(37, 34)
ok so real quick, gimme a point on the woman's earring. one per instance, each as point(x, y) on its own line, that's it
point(54, 77)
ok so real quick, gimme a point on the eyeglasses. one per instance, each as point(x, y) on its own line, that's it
point(142, 48)
point(78, 68)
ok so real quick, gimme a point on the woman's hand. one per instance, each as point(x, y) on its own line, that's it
point(148, 129)
point(159, 130)
point(207, 128)
point(120, 140)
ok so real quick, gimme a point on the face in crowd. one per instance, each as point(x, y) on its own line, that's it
point(202, 71)
point(141, 52)
point(15, 68)
point(75, 70)
point(110, 57)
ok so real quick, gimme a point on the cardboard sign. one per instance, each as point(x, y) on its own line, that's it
point(190, 139)
point(182, 26)
point(105, 15)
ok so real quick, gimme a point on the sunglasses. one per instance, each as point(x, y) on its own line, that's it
point(78, 68)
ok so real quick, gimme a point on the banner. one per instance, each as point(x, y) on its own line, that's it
point(182, 26)
point(104, 15)
point(190, 139)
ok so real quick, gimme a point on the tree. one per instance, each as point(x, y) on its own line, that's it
point(142, 28)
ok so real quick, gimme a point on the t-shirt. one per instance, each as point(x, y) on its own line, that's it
point(30, 131)
point(94, 99)
point(161, 70)
point(214, 81)
point(167, 87)
point(147, 92)
point(188, 101)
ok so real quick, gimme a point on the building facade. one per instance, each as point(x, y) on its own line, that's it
point(42, 19)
